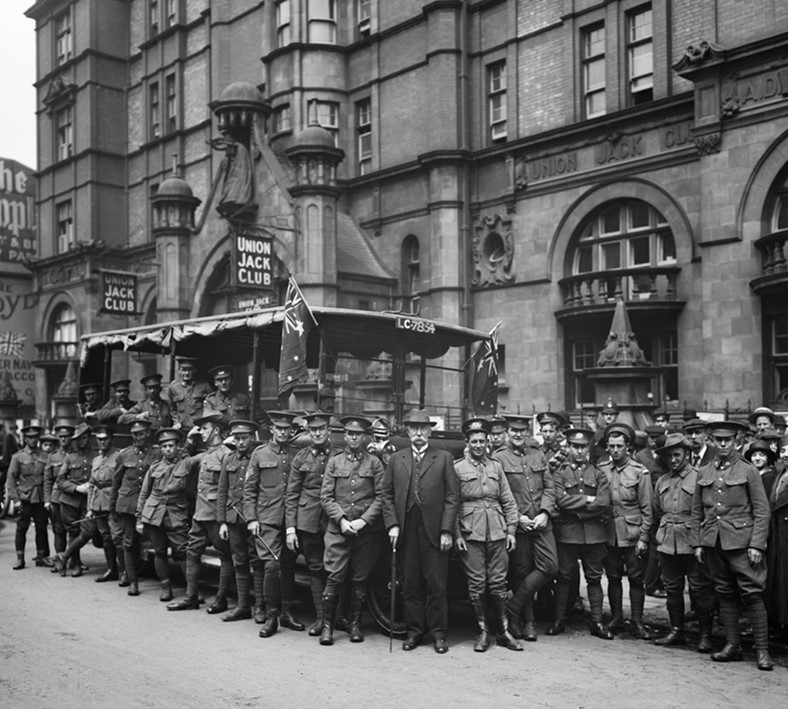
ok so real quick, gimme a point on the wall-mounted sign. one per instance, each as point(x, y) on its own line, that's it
point(17, 212)
point(252, 301)
point(253, 259)
point(118, 292)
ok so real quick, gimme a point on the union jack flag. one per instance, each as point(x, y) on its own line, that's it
point(298, 321)
point(12, 344)
point(484, 388)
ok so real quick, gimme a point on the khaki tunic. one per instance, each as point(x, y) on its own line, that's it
point(487, 511)
point(26, 476)
point(673, 506)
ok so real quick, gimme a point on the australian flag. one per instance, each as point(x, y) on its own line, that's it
point(296, 326)
point(484, 386)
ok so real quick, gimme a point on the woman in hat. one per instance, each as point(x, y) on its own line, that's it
point(761, 455)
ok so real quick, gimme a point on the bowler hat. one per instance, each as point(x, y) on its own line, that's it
point(418, 416)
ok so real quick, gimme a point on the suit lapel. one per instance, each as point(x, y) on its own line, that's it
point(427, 461)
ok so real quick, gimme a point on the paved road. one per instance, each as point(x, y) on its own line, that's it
point(73, 643)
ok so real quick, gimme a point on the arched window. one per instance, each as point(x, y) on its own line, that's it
point(625, 235)
point(622, 250)
point(64, 332)
point(410, 276)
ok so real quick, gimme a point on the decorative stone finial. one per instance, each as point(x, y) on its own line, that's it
point(621, 348)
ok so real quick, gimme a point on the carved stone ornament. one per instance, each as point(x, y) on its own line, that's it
point(493, 251)
point(700, 53)
point(708, 144)
point(730, 107)
point(520, 175)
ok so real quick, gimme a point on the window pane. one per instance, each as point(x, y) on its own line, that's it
point(641, 60)
point(640, 251)
point(611, 221)
point(585, 260)
point(667, 248)
point(639, 215)
point(640, 26)
point(611, 255)
point(782, 213)
point(596, 104)
point(780, 330)
point(595, 74)
point(584, 355)
point(594, 42)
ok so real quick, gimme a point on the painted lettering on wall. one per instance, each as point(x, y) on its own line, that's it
point(17, 212)
point(17, 303)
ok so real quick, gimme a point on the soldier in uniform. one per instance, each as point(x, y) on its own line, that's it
point(91, 400)
point(580, 528)
point(226, 400)
point(204, 530)
point(26, 490)
point(629, 529)
point(554, 447)
point(609, 413)
point(730, 525)
point(496, 441)
point(119, 403)
point(163, 507)
point(157, 410)
point(186, 395)
point(232, 523)
point(305, 520)
point(73, 485)
point(51, 490)
point(673, 508)
point(98, 507)
point(351, 498)
point(264, 512)
point(534, 562)
point(420, 498)
point(131, 466)
point(486, 522)
point(48, 443)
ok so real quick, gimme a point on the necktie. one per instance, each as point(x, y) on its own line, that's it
point(695, 459)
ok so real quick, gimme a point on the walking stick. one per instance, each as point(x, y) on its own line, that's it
point(393, 594)
point(258, 535)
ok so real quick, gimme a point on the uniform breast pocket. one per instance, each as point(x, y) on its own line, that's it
point(736, 482)
point(75, 474)
point(213, 473)
point(629, 490)
point(180, 479)
point(366, 473)
point(269, 476)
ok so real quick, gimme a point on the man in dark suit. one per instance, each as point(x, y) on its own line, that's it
point(420, 497)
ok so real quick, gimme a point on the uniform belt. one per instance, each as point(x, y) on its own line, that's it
point(673, 517)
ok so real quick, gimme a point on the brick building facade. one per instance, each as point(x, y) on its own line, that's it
point(525, 162)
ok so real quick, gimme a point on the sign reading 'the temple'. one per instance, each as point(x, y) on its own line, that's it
point(118, 292)
point(17, 212)
point(253, 260)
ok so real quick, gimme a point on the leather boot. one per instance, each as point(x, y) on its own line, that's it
point(219, 604)
point(340, 621)
point(120, 562)
point(61, 562)
point(504, 637)
point(354, 616)
point(615, 595)
point(595, 600)
point(242, 611)
point(561, 599)
point(111, 574)
point(271, 624)
point(166, 591)
point(482, 641)
point(514, 609)
point(760, 632)
point(637, 599)
point(134, 589)
point(316, 585)
point(729, 616)
point(20, 561)
point(187, 603)
point(130, 559)
point(329, 612)
point(288, 620)
point(704, 628)
point(675, 635)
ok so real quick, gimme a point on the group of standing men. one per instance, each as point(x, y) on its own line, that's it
point(519, 514)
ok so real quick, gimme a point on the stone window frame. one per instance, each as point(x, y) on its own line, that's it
point(283, 21)
point(171, 102)
point(363, 18)
point(154, 110)
point(635, 44)
point(281, 119)
point(64, 328)
point(322, 18)
point(591, 56)
point(64, 132)
point(497, 109)
point(326, 115)
point(63, 49)
point(64, 226)
point(364, 135)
